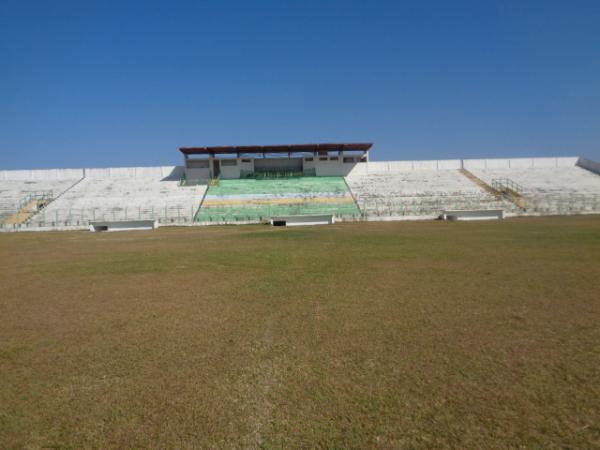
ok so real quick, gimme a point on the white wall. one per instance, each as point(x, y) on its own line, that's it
point(197, 174)
point(295, 221)
point(382, 167)
point(323, 168)
point(449, 164)
point(47, 174)
point(230, 172)
point(389, 166)
point(246, 166)
point(125, 225)
point(519, 163)
point(566, 161)
point(173, 172)
point(333, 168)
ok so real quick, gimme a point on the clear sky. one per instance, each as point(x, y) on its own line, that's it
point(100, 83)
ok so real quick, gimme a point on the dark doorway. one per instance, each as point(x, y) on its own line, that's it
point(216, 168)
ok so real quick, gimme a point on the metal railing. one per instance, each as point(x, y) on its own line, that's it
point(502, 184)
point(273, 174)
point(240, 218)
point(549, 204)
point(563, 204)
point(81, 217)
point(34, 195)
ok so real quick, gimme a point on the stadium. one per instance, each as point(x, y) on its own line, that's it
point(378, 327)
point(294, 185)
point(299, 225)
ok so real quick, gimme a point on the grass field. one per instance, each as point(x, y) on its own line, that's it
point(365, 335)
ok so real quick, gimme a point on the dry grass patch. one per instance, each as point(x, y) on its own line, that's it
point(401, 335)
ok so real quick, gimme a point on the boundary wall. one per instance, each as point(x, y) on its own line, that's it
point(520, 163)
point(383, 167)
point(167, 172)
point(43, 174)
point(323, 168)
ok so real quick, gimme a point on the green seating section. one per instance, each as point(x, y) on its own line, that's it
point(254, 200)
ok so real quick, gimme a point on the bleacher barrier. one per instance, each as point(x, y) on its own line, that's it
point(481, 214)
point(568, 204)
point(77, 217)
point(124, 225)
point(302, 220)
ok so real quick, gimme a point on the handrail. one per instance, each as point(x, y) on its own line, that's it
point(501, 184)
point(34, 195)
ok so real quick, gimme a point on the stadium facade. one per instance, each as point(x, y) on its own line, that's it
point(304, 183)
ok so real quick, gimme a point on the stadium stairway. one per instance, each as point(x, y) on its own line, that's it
point(506, 189)
point(149, 197)
point(479, 182)
point(423, 194)
point(548, 191)
point(20, 200)
point(256, 200)
point(29, 208)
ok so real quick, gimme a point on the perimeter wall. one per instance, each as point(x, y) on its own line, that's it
point(323, 168)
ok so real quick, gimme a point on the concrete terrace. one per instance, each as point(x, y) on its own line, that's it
point(14, 192)
point(420, 193)
point(254, 200)
point(117, 197)
point(387, 190)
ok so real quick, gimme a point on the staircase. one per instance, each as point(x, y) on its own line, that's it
point(28, 207)
point(510, 190)
point(500, 188)
point(482, 184)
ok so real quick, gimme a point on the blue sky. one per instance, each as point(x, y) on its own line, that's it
point(85, 83)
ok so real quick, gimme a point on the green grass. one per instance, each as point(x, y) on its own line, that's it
point(366, 335)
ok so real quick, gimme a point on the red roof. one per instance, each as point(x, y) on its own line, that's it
point(308, 148)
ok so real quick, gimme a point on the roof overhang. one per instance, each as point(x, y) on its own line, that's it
point(262, 149)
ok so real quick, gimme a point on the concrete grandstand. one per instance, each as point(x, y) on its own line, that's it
point(419, 194)
point(254, 184)
point(254, 200)
point(150, 193)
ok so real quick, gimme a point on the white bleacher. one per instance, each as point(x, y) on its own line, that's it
point(551, 190)
point(124, 194)
point(383, 190)
point(550, 180)
point(13, 192)
point(420, 193)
